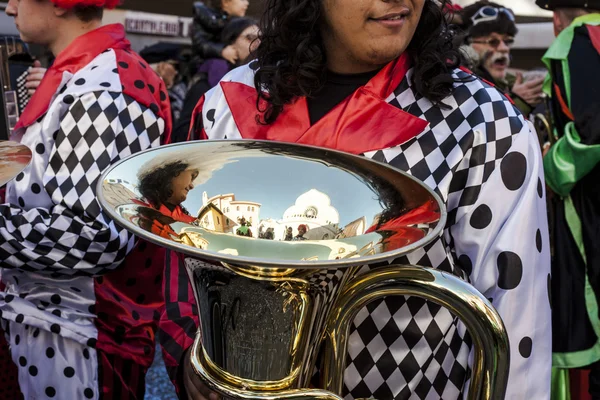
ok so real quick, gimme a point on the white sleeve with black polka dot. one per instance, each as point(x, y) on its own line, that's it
point(503, 239)
point(74, 235)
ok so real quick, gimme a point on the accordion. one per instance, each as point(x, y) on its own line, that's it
point(14, 95)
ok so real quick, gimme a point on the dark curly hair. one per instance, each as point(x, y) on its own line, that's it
point(291, 59)
point(155, 187)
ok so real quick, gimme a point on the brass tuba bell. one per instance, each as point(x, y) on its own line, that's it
point(277, 238)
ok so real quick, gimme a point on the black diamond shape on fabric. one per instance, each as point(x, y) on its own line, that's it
point(500, 110)
point(502, 147)
point(490, 131)
point(91, 135)
point(81, 186)
point(454, 120)
point(390, 333)
point(428, 143)
point(394, 303)
point(386, 365)
point(476, 117)
point(111, 112)
point(421, 170)
point(461, 94)
point(440, 382)
point(361, 391)
point(433, 335)
point(125, 118)
point(367, 330)
point(434, 116)
point(94, 111)
point(107, 136)
point(477, 156)
point(372, 306)
point(153, 132)
point(441, 172)
point(412, 334)
point(515, 125)
point(469, 196)
point(488, 169)
point(77, 111)
point(457, 375)
point(400, 162)
point(87, 161)
point(364, 363)
point(383, 392)
point(433, 308)
point(440, 354)
point(423, 387)
point(456, 344)
point(379, 156)
point(482, 96)
point(459, 181)
point(415, 304)
point(409, 367)
point(448, 145)
point(135, 146)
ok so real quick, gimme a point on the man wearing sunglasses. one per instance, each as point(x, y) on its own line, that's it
point(489, 31)
point(572, 172)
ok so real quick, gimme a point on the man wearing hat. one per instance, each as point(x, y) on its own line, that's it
point(80, 298)
point(572, 173)
point(489, 31)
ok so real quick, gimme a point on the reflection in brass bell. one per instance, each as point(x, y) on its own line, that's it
point(276, 236)
point(14, 158)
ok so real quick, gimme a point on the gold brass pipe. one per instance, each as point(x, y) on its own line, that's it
point(232, 392)
point(490, 369)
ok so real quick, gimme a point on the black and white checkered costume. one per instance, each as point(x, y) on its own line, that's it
point(483, 159)
point(54, 236)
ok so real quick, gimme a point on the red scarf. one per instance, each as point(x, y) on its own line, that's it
point(363, 122)
point(132, 67)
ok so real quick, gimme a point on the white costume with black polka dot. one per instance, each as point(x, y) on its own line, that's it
point(483, 158)
point(53, 236)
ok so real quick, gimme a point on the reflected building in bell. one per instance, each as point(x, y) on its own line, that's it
point(223, 213)
point(312, 209)
point(118, 192)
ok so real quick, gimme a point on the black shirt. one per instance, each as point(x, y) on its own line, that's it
point(337, 88)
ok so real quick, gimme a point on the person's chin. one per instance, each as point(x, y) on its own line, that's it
point(498, 73)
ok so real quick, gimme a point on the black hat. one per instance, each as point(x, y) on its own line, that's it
point(484, 17)
point(554, 4)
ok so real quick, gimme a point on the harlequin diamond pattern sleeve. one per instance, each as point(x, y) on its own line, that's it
point(74, 235)
point(502, 241)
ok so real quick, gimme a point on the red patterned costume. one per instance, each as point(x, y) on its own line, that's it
point(82, 296)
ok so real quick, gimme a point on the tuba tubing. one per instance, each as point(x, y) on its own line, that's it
point(491, 346)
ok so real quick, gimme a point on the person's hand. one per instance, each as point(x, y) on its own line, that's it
point(530, 91)
point(34, 78)
point(230, 54)
point(196, 390)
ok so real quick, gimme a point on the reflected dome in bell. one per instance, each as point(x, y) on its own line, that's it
point(314, 211)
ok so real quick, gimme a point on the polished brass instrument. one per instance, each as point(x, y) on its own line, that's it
point(268, 305)
point(14, 158)
point(9, 106)
point(544, 124)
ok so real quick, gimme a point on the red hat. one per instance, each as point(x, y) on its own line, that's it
point(89, 3)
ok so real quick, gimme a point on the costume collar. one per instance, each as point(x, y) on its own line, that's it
point(361, 123)
point(76, 56)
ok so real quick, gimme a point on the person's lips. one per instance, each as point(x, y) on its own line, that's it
point(392, 20)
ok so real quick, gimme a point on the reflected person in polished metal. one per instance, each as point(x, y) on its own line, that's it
point(380, 79)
